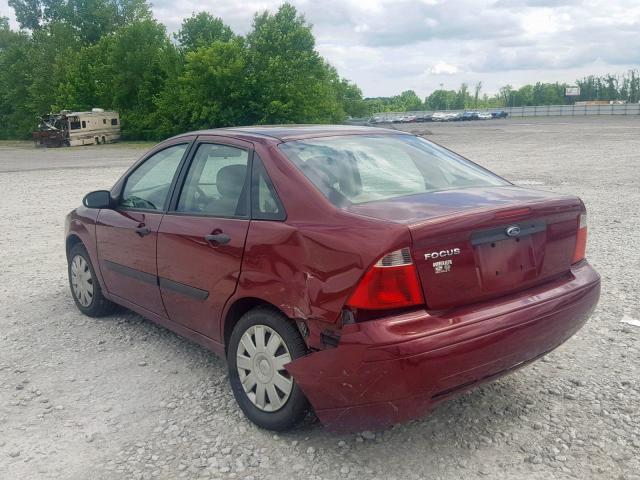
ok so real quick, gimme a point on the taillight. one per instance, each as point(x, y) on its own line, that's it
point(391, 283)
point(581, 239)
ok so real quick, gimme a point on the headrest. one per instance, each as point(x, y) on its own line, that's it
point(342, 171)
point(230, 180)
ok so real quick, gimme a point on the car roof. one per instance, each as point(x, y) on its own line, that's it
point(286, 133)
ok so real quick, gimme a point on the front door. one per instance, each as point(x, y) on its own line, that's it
point(127, 235)
point(201, 238)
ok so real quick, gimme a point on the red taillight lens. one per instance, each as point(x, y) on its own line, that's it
point(581, 240)
point(391, 283)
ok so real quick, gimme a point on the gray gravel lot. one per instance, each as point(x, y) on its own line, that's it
point(122, 398)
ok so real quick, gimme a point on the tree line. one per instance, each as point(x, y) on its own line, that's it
point(625, 87)
point(113, 54)
point(79, 54)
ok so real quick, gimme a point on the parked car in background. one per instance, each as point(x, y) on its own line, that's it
point(424, 117)
point(467, 116)
point(499, 114)
point(484, 116)
point(439, 117)
point(450, 116)
point(366, 272)
point(382, 119)
point(403, 119)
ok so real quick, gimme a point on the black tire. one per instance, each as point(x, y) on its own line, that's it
point(296, 406)
point(99, 306)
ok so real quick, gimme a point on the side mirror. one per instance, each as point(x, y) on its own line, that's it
point(97, 199)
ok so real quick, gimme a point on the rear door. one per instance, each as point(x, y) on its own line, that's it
point(201, 238)
point(127, 235)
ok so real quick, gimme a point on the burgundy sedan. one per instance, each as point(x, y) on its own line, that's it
point(366, 273)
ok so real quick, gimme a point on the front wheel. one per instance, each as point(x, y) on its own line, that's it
point(85, 288)
point(261, 344)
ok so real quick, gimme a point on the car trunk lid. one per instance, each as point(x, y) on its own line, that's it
point(467, 251)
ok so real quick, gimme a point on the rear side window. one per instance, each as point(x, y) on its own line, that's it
point(216, 182)
point(354, 169)
point(148, 186)
point(265, 204)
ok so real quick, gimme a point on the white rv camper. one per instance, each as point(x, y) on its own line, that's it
point(94, 127)
point(77, 128)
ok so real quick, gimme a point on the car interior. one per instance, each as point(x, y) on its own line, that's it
point(216, 182)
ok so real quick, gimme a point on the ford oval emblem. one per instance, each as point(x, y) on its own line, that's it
point(512, 231)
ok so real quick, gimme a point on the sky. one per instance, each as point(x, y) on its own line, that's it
point(387, 47)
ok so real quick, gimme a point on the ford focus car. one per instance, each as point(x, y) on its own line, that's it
point(365, 273)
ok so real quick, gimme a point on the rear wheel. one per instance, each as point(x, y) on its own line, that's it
point(85, 288)
point(261, 344)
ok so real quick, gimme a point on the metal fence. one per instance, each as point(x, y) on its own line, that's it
point(574, 110)
point(532, 111)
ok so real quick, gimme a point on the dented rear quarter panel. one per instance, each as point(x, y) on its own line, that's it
point(308, 264)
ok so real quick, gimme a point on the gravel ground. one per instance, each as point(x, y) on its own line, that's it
point(122, 398)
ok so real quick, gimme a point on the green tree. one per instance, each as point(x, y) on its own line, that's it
point(29, 13)
point(16, 120)
point(90, 19)
point(211, 91)
point(112, 75)
point(350, 98)
point(410, 101)
point(288, 80)
point(476, 94)
point(406, 101)
point(79, 54)
point(632, 81)
point(440, 100)
point(462, 97)
point(611, 86)
point(50, 49)
point(375, 105)
point(132, 77)
point(201, 30)
point(505, 96)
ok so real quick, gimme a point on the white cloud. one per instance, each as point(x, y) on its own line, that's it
point(389, 46)
point(443, 68)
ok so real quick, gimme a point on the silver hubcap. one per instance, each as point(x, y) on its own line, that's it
point(81, 281)
point(261, 357)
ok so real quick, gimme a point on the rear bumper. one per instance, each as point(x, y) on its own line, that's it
point(394, 369)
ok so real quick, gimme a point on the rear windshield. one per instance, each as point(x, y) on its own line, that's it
point(357, 169)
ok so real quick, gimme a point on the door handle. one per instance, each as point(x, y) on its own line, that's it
point(143, 230)
point(216, 239)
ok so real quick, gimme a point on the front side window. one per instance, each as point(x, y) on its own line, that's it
point(216, 182)
point(354, 169)
point(148, 186)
